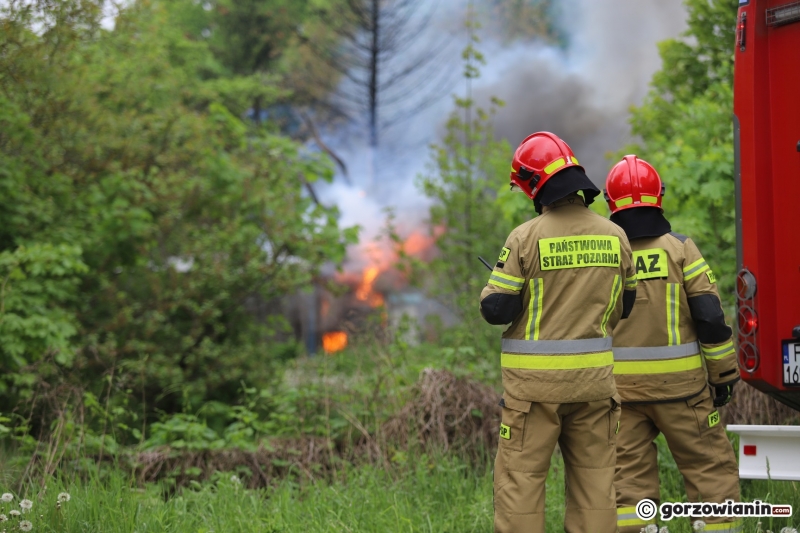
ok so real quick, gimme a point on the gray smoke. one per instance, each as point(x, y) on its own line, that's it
point(581, 91)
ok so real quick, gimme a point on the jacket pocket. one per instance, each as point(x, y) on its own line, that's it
point(512, 426)
point(613, 418)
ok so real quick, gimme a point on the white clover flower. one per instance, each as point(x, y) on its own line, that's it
point(664, 529)
point(651, 528)
point(26, 505)
point(14, 512)
point(25, 526)
point(7, 497)
point(3, 518)
point(699, 525)
point(236, 479)
point(788, 530)
point(63, 497)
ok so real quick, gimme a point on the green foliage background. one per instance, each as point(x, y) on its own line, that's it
point(140, 212)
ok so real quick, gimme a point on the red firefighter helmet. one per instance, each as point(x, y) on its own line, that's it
point(633, 182)
point(540, 156)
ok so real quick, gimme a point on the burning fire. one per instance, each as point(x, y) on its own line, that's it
point(365, 292)
point(334, 341)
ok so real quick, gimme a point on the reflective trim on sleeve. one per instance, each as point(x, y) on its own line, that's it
point(601, 344)
point(659, 366)
point(695, 269)
point(631, 283)
point(556, 362)
point(728, 527)
point(673, 314)
point(611, 304)
point(535, 308)
point(718, 352)
point(649, 353)
point(506, 282)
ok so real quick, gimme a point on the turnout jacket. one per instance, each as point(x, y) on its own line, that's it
point(677, 342)
point(560, 280)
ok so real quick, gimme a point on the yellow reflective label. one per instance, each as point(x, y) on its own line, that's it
point(712, 278)
point(505, 431)
point(504, 253)
point(713, 419)
point(617, 430)
point(555, 165)
point(579, 251)
point(649, 199)
point(651, 263)
point(623, 202)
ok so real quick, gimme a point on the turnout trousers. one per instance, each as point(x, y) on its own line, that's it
point(701, 449)
point(586, 434)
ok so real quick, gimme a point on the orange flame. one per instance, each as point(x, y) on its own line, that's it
point(364, 291)
point(334, 341)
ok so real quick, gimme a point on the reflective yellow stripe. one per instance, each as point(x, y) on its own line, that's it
point(555, 165)
point(575, 160)
point(625, 510)
point(695, 269)
point(695, 274)
point(504, 285)
point(506, 276)
point(535, 308)
point(673, 314)
point(722, 355)
point(623, 202)
point(718, 352)
point(611, 305)
point(696, 263)
point(556, 362)
point(649, 199)
point(631, 283)
point(664, 366)
point(626, 516)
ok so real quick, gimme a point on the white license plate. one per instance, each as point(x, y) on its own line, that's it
point(791, 363)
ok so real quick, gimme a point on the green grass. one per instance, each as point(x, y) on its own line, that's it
point(427, 494)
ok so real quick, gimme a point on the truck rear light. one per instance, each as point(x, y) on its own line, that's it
point(784, 14)
point(749, 449)
point(748, 321)
point(741, 31)
point(748, 357)
point(745, 284)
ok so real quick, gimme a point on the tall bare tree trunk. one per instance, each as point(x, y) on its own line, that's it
point(373, 74)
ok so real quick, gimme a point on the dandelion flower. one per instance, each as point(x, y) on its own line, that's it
point(7, 497)
point(26, 505)
point(25, 526)
point(651, 528)
point(788, 530)
point(14, 512)
point(699, 525)
point(63, 497)
point(664, 529)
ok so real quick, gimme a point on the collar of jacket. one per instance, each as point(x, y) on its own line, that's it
point(573, 199)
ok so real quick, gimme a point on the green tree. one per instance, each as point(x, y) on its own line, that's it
point(125, 154)
point(686, 132)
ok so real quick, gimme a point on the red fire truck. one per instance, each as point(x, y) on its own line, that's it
point(767, 147)
point(767, 171)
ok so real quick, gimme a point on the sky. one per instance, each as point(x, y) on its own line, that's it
point(581, 91)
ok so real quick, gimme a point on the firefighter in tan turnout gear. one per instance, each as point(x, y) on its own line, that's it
point(668, 356)
point(563, 281)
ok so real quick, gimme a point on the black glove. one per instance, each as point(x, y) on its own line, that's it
point(723, 394)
